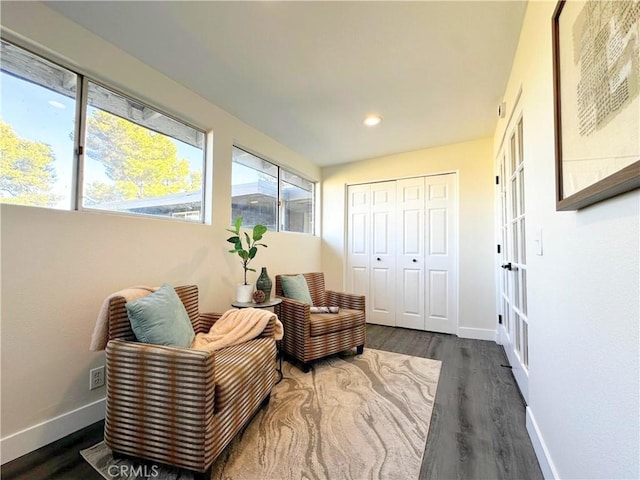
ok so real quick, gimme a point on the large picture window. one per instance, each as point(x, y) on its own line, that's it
point(133, 158)
point(138, 160)
point(38, 130)
point(264, 193)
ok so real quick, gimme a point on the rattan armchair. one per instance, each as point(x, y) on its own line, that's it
point(179, 406)
point(309, 336)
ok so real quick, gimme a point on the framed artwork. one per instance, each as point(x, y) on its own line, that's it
point(596, 75)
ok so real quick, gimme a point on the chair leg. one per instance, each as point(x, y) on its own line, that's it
point(304, 366)
point(360, 349)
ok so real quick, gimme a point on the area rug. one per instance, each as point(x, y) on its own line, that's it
point(351, 417)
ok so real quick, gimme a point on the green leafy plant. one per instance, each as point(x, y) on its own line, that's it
point(246, 254)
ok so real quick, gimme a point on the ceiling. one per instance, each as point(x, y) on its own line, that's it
point(306, 73)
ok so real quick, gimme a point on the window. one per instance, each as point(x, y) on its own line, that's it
point(135, 159)
point(270, 195)
point(138, 160)
point(38, 130)
point(296, 200)
point(254, 190)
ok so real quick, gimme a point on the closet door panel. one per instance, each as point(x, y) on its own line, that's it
point(410, 253)
point(358, 239)
point(440, 255)
point(438, 294)
point(382, 258)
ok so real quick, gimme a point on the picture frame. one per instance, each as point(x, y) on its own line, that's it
point(596, 85)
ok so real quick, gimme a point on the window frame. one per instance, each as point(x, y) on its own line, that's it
point(279, 199)
point(79, 135)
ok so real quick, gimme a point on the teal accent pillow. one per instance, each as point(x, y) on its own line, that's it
point(161, 319)
point(296, 288)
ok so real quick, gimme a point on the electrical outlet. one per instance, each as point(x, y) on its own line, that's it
point(96, 378)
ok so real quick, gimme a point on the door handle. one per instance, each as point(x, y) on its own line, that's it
point(507, 266)
point(414, 260)
point(378, 259)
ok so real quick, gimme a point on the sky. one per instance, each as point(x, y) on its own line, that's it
point(42, 115)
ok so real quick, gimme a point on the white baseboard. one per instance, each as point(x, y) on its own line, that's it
point(32, 438)
point(540, 447)
point(478, 333)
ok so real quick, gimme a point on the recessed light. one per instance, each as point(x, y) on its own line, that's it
point(372, 120)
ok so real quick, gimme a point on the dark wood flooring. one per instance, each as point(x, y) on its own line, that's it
point(478, 424)
point(477, 428)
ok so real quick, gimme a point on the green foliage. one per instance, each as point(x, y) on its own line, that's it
point(246, 254)
point(141, 162)
point(27, 171)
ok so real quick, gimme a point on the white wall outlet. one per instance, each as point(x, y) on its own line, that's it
point(96, 378)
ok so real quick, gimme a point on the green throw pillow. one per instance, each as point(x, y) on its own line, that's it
point(161, 319)
point(295, 287)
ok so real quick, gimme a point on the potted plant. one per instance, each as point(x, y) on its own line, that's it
point(246, 250)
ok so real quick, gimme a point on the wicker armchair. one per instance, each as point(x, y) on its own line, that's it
point(179, 406)
point(310, 336)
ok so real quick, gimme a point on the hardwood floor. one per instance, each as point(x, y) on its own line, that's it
point(477, 428)
point(478, 424)
point(59, 460)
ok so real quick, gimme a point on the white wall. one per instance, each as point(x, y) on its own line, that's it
point(57, 266)
point(473, 162)
point(583, 296)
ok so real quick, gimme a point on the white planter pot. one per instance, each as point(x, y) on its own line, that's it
point(244, 292)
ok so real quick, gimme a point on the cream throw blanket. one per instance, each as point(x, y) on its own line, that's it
point(100, 335)
point(236, 326)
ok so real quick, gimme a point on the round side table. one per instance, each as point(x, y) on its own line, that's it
point(272, 302)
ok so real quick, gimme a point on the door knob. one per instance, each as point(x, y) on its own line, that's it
point(378, 259)
point(507, 266)
point(414, 260)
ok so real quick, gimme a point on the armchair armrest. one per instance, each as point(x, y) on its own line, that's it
point(290, 308)
point(345, 300)
point(294, 315)
point(144, 382)
point(206, 322)
point(208, 319)
point(270, 330)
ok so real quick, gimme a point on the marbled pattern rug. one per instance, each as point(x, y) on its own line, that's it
point(351, 417)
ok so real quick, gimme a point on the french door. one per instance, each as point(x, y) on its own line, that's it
point(514, 326)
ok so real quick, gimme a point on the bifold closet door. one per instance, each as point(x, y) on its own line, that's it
point(401, 253)
point(441, 303)
point(410, 249)
point(371, 250)
point(383, 254)
point(359, 239)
